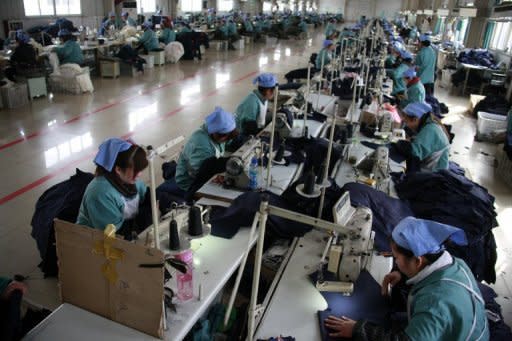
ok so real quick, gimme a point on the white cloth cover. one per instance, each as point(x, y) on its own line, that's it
point(174, 51)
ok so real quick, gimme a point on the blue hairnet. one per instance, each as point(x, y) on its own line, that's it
point(426, 236)
point(424, 37)
point(417, 109)
point(22, 36)
point(220, 121)
point(124, 14)
point(64, 32)
point(146, 24)
point(265, 80)
point(404, 54)
point(111, 14)
point(409, 73)
point(108, 151)
point(327, 43)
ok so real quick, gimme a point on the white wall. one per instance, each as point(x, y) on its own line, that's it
point(387, 8)
point(332, 6)
point(354, 9)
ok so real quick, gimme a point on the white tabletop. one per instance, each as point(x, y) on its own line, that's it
point(215, 260)
point(69, 322)
point(292, 311)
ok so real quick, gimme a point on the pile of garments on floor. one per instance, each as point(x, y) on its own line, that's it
point(493, 104)
point(480, 57)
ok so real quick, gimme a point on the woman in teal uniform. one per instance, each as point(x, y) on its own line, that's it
point(251, 113)
point(70, 51)
point(127, 20)
point(207, 142)
point(167, 35)
point(430, 146)
point(148, 41)
point(444, 302)
point(398, 81)
point(115, 194)
point(325, 55)
point(426, 64)
point(415, 89)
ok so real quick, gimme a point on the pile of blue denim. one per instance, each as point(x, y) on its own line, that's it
point(481, 57)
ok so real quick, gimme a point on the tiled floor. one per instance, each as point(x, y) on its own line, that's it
point(41, 144)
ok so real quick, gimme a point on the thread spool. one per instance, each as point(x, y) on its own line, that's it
point(306, 132)
point(350, 130)
point(320, 175)
point(309, 183)
point(195, 223)
point(174, 237)
point(279, 154)
point(343, 136)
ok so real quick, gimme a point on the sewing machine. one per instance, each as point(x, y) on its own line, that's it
point(350, 249)
point(237, 166)
point(376, 169)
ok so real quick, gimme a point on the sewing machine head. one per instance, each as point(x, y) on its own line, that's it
point(237, 166)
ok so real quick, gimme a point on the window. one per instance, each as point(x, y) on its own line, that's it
point(51, 7)
point(501, 36)
point(267, 7)
point(224, 5)
point(146, 6)
point(191, 5)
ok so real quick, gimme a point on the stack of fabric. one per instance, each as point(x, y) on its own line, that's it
point(479, 57)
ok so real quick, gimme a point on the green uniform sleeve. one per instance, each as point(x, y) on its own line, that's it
point(424, 143)
point(248, 110)
point(141, 189)
point(4, 282)
point(196, 153)
point(429, 319)
point(104, 210)
point(145, 37)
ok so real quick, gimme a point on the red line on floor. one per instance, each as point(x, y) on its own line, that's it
point(120, 101)
point(89, 156)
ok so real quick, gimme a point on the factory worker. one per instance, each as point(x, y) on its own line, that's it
point(205, 143)
point(415, 89)
point(405, 58)
point(330, 29)
point(127, 20)
point(108, 23)
point(148, 41)
point(115, 194)
point(325, 54)
point(251, 113)
point(167, 35)
point(426, 64)
point(429, 148)
point(69, 52)
point(444, 301)
point(23, 57)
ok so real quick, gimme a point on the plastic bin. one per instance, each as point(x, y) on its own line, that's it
point(150, 61)
point(15, 96)
point(488, 123)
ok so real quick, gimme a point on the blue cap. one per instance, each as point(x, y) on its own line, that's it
point(409, 73)
point(220, 121)
point(111, 14)
point(327, 43)
point(108, 151)
point(64, 32)
point(124, 14)
point(404, 54)
point(426, 236)
point(417, 109)
point(424, 37)
point(265, 80)
point(22, 36)
point(146, 24)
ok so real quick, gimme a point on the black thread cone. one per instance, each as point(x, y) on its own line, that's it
point(195, 224)
point(320, 174)
point(350, 130)
point(309, 183)
point(280, 153)
point(174, 237)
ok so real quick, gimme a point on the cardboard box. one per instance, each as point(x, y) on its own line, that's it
point(133, 296)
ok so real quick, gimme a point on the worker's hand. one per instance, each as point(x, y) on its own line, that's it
point(14, 285)
point(342, 326)
point(391, 279)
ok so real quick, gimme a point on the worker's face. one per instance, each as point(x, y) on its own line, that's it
point(127, 175)
point(412, 123)
point(409, 266)
point(112, 18)
point(331, 47)
point(268, 94)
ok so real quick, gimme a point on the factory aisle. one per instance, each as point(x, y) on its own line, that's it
point(42, 144)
